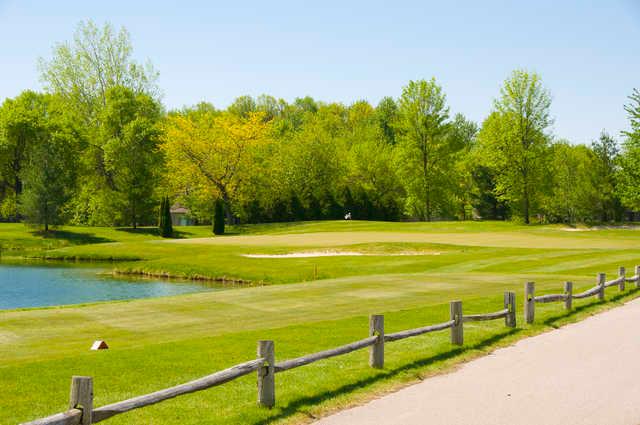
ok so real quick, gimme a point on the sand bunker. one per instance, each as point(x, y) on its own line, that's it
point(333, 254)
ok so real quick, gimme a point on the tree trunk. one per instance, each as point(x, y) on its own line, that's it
point(227, 208)
point(17, 186)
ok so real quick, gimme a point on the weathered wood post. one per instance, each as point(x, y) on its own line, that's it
point(637, 276)
point(568, 292)
point(266, 374)
point(602, 278)
point(510, 304)
point(376, 351)
point(529, 302)
point(81, 397)
point(621, 276)
point(457, 332)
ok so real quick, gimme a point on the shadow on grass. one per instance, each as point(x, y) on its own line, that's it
point(149, 231)
point(297, 405)
point(76, 238)
point(153, 231)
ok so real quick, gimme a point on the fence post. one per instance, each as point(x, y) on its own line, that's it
point(81, 397)
point(568, 292)
point(621, 275)
point(510, 304)
point(637, 276)
point(529, 302)
point(457, 332)
point(602, 278)
point(266, 374)
point(376, 351)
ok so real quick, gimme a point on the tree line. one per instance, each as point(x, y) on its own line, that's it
point(97, 147)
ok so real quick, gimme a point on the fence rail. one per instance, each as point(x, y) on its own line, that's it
point(304, 360)
point(418, 331)
point(486, 316)
point(81, 409)
point(568, 296)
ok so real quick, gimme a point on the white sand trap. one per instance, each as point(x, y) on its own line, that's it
point(573, 229)
point(333, 254)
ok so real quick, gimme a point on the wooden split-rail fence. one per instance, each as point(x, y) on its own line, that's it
point(81, 410)
point(568, 296)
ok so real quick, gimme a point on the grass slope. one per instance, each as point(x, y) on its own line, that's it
point(165, 341)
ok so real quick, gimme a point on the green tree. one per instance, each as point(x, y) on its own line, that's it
point(165, 227)
point(49, 173)
point(572, 195)
point(210, 156)
point(628, 177)
point(604, 169)
point(82, 72)
point(218, 218)
point(514, 141)
point(21, 122)
point(130, 140)
point(99, 58)
point(387, 115)
point(463, 134)
point(425, 148)
point(243, 106)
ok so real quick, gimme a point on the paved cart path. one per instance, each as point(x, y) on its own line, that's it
point(584, 373)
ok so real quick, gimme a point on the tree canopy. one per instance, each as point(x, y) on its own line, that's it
point(98, 148)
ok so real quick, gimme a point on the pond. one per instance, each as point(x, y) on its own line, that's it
point(45, 285)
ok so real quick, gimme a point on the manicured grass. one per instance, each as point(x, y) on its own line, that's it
point(160, 342)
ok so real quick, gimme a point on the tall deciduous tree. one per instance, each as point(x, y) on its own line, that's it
point(211, 153)
point(572, 193)
point(98, 58)
point(131, 139)
point(425, 147)
point(20, 128)
point(628, 177)
point(50, 169)
point(606, 153)
point(514, 140)
point(82, 72)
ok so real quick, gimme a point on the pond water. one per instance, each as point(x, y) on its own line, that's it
point(44, 285)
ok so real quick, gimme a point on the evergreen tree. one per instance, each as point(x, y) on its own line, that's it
point(218, 218)
point(165, 225)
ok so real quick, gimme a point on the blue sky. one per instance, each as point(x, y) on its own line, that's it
point(586, 51)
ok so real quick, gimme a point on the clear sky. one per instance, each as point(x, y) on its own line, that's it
point(588, 52)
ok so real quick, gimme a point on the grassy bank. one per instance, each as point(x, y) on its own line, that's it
point(160, 342)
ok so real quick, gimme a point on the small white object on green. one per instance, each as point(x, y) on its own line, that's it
point(99, 345)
